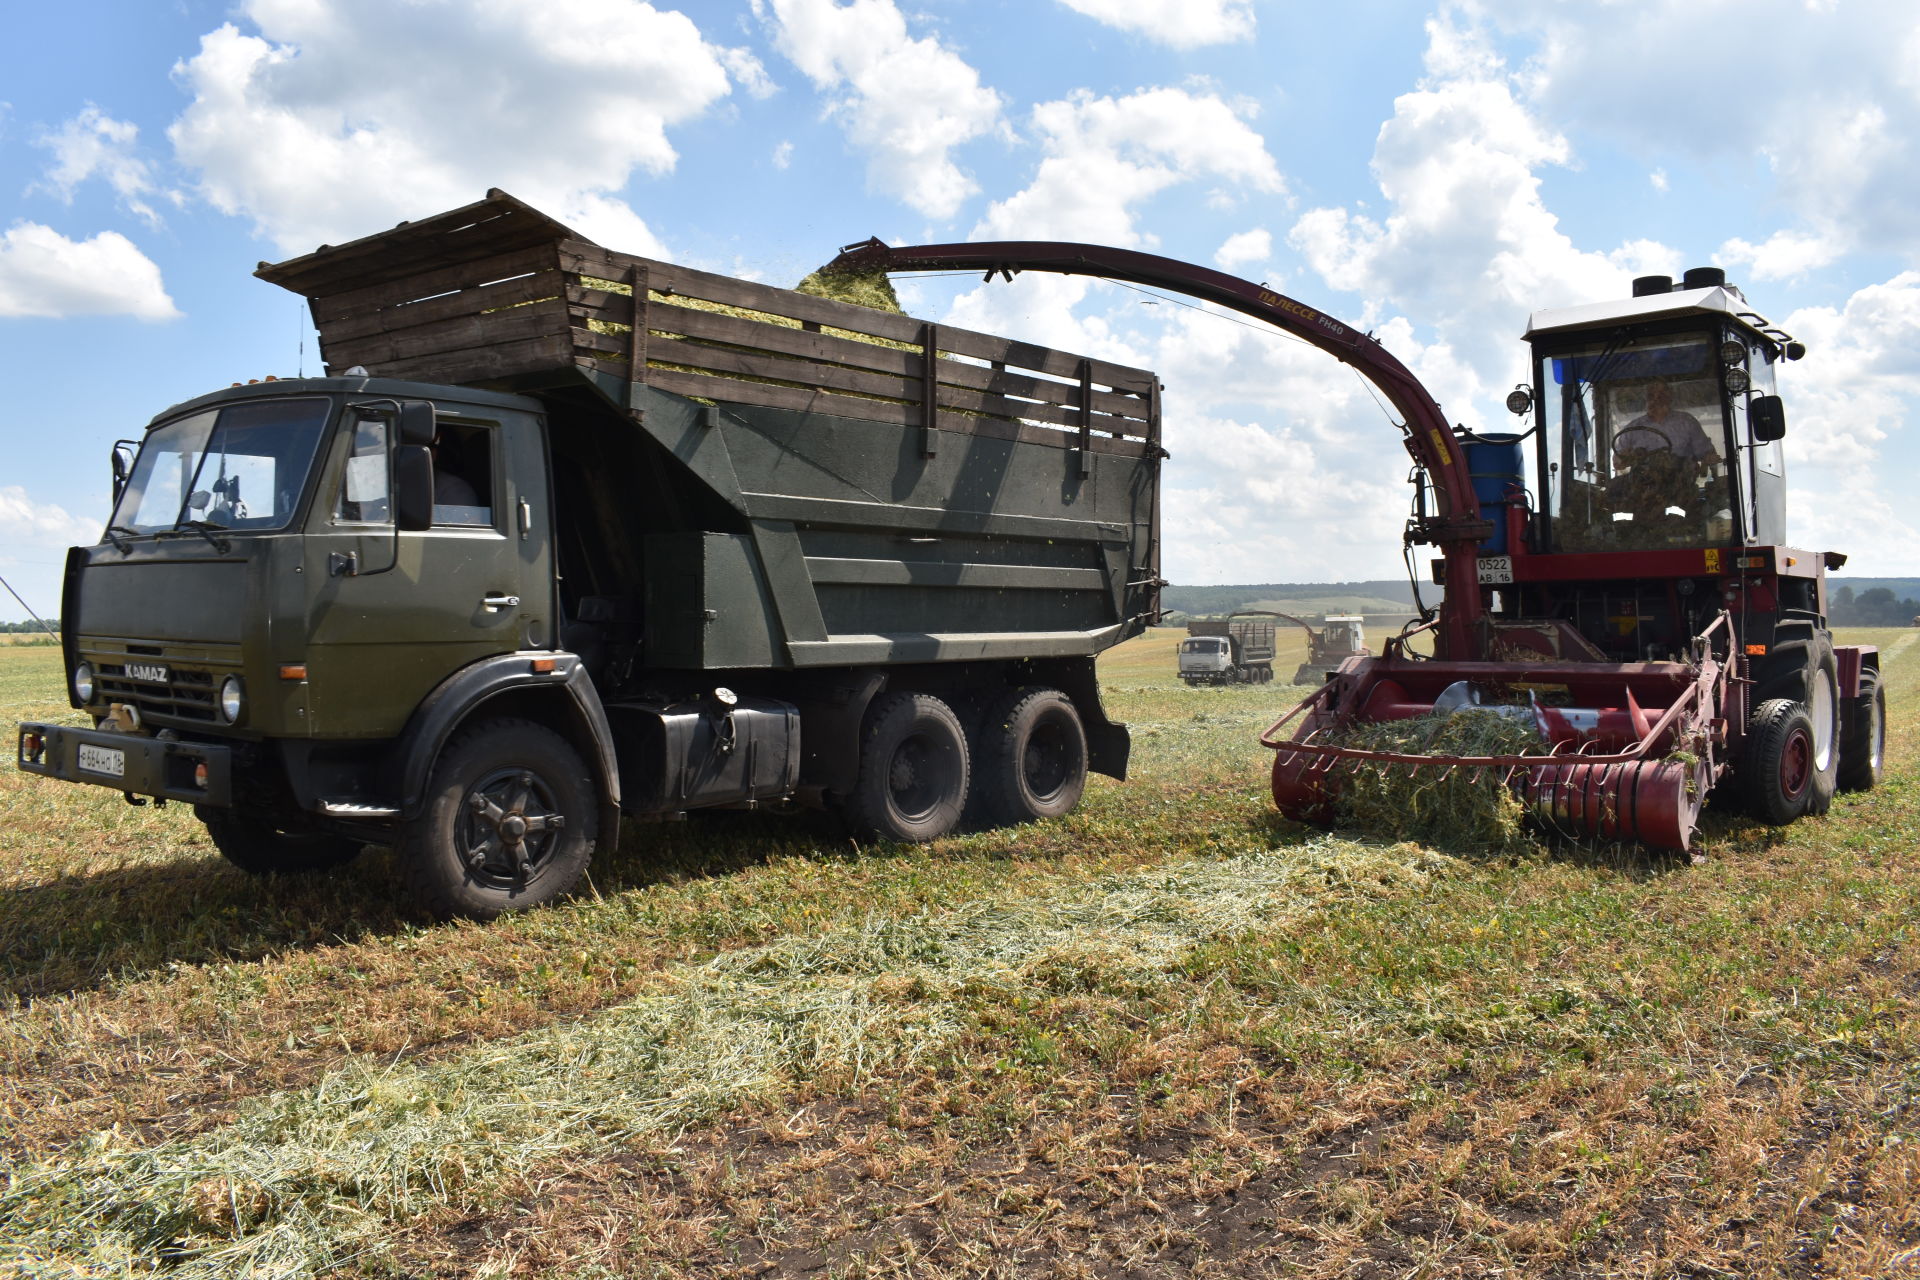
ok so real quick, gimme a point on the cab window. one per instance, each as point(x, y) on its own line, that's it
point(463, 474)
point(366, 490)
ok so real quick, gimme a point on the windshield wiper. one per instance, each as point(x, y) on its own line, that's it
point(118, 545)
point(206, 530)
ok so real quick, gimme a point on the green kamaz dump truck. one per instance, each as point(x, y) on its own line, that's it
point(566, 533)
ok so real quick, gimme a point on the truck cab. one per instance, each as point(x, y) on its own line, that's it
point(1206, 659)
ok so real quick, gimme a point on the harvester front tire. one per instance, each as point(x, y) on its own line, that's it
point(510, 823)
point(259, 849)
point(1778, 763)
point(1863, 735)
point(1031, 759)
point(913, 777)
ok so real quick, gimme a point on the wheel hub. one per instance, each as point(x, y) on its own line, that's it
point(510, 825)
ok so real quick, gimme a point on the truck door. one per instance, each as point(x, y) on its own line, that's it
point(392, 615)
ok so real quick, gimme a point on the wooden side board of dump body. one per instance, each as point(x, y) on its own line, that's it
point(497, 291)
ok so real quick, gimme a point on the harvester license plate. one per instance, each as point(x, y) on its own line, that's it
point(105, 760)
point(1495, 569)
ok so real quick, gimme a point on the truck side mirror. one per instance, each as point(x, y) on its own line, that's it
point(1769, 418)
point(416, 422)
point(122, 462)
point(413, 487)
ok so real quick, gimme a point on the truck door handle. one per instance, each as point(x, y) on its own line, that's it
point(500, 602)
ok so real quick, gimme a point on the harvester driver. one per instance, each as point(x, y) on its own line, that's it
point(1660, 455)
point(1662, 427)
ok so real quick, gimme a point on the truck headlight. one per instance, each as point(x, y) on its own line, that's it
point(233, 699)
point(83, 681)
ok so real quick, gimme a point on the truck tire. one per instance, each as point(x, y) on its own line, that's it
point(913, 776)
point(1863, 735)
point(1030, 758)
point(1777, 765)
point(256, 847)
point(510, 823)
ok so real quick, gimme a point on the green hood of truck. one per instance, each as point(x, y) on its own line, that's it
point(188, 600)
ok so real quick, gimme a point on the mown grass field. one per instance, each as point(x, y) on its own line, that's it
point(1170, 1035)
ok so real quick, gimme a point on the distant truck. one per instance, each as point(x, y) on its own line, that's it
point(565, 534)
point(1237, 649)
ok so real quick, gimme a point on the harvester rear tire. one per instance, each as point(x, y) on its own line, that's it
point(1030, 757)
point(1863, 735)
point(1778, 764)
point(1825, 709)
point(259, 849)
point(913, 776)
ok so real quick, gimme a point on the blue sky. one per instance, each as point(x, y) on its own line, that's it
point(1433, 172)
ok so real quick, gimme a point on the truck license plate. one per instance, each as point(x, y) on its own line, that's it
point(107, 760)
point(1495, 569)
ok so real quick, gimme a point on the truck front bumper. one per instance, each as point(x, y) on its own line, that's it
point(194, 772)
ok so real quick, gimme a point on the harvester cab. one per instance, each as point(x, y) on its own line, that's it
point(1657, 425)
point(1616, 573)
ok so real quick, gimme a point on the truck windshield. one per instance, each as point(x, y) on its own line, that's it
point(238, 467)
point(1636, 446)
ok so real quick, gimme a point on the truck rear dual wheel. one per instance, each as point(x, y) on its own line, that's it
point(510, 822)
point(1863, 735)
point(1030, 757)
point(914, 770)
point(255, 846)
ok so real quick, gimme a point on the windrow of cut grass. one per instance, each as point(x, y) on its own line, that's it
point(291, 1185)
point(974, 1058)
point(152, 985)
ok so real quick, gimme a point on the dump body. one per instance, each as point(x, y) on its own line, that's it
point(701, 529)
point(903, 491)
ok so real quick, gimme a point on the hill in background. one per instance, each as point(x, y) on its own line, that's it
point(1853, 602)
point(1383, 595)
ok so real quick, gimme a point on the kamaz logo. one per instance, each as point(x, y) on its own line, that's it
point(149, 671)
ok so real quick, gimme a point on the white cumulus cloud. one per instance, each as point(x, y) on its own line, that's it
point(1102, 156)
point(43, 273)
point(94, 144)
point(907, 102)
point(1183, 24)
point(1837, 119)
point(1783, 255)
point(1245, 248)
point(342, 117)
point(1848, 404)
point(1467, 245)
point(34, 537)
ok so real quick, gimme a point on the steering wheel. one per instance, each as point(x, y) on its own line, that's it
point(1661, 443)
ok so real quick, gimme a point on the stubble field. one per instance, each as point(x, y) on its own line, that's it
point(1172, 1034)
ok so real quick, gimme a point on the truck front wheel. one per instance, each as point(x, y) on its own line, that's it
point(255, 846)
point(510, 823)
point(913, 776)
point(1031, 760)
